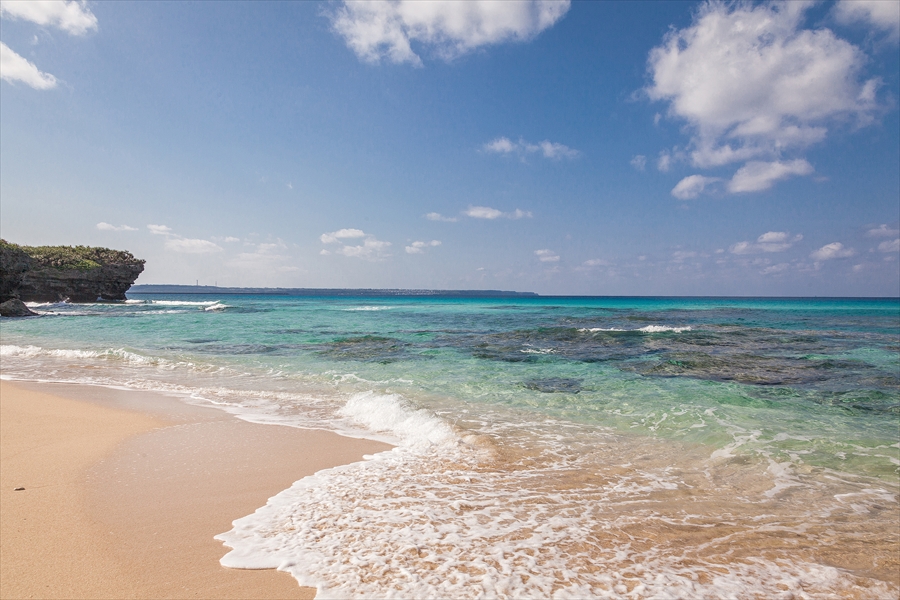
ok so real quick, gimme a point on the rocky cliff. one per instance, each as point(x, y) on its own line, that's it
point(73, 273)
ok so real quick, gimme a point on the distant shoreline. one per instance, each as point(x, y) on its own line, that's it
point(397, 292)
point(211, 289)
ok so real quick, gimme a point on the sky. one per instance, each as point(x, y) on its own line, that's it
point(596, 148)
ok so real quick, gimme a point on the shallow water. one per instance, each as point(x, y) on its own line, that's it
point(567, 447)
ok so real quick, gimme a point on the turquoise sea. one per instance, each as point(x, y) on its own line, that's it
point(545, 447)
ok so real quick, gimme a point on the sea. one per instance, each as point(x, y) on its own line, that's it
point(544, 447)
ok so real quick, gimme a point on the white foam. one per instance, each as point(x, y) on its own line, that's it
point(367, 308)
point(390, 413)
point(183, 303)
point(217, 306)
point(647, 329)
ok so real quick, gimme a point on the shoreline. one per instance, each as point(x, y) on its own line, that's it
point(124, 491)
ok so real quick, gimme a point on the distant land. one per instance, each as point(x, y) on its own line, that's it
point(212, 289)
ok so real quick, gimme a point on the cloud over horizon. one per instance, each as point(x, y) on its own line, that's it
point(379, 30)
point(771, 241)
point(371, 248)
point(102, 226)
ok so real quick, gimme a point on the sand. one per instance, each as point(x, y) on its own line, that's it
point(124, 492)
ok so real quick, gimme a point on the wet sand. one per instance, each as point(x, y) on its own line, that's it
point(125, 490)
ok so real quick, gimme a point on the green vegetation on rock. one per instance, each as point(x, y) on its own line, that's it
point(81, 258)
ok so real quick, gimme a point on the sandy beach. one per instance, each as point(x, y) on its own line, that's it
point(124, 491)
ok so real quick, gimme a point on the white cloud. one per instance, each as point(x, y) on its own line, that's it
point(682, 255)
point(486, 212)
point(639, 162)
point(340, 234)
point(371, 248)
point(883, 15)
point(191, 246)
point(108, 227)
point(501, 145)
point(597, 262)
point(692, 186)
point(266, 255)
point(547, 149)
point(16, 68)
point(771, 241)
point(779, 268)
point(890, 246)
point(756, 176)
point(832, 250)
point(664, 163)
point(387, 29)
point(232, 239)
point(751, 82)
point(547, 256)
point(483, 212)
point(176, 243)
point(70, 16)
point(433, 216)
point(419, 247)
point(160, 230)
point(882, 231)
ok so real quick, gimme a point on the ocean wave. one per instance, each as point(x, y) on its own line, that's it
point(9, 351)
point(217, 306)
point(391, 413)
point(647, 329)
point(183, 302)
point(367, 308)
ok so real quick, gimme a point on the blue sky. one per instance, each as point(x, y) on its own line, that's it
point(588, 148)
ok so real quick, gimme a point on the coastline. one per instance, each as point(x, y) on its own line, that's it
point(125, 490)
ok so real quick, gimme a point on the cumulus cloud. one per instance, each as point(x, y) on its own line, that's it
point(547, 256)
point(596, 262)
point(682, 255)
point(15, 68)
point(341, 234)
point(547, 149)
point(832, 250)
point(191, 246)
point(771, 241)
point(419, 247)
point(881, 15)
point(890, 246)
point(230, 239)
point(387, 29)
point(108, 227)
point(434, 216)
point(639, 162)
point(176, 243)
point(370, 248)
point(160, 230)
point(664, 162)
point(882, 231)
point(266, 255)
point(692, 186)
point(751, 82)
point(70, 16)
point(486, 212)
point(779, 268)
point(756, 176)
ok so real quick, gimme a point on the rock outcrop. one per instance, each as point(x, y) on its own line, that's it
point(15, 308)
point(65, 273)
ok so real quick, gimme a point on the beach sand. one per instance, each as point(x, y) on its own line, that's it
point(124, 492)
